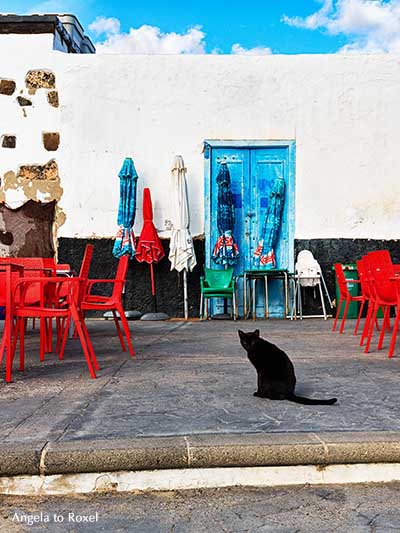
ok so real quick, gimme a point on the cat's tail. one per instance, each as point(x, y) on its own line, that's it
point(308, 401)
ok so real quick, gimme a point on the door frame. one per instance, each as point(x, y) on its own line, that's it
point(209, 144)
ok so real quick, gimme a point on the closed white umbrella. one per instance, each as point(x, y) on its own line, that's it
point(181, 252)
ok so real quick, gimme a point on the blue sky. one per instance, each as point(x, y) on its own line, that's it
point(231, 26)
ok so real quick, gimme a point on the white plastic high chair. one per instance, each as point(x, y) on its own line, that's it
point(308, 273)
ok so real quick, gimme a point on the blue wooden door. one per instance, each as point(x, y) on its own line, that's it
point(253, 171)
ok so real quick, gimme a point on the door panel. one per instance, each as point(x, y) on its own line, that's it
point(266, 165)
point(238, 163)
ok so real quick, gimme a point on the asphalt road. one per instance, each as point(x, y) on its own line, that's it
point(352, 508)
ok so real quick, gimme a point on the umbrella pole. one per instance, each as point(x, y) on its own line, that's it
point(225, 300)
point(185, 294)
point(153, 287)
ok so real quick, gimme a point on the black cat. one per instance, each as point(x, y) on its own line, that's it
point(275, 373)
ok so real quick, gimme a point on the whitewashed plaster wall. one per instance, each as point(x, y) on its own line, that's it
point(26, 45)
point(343, 112)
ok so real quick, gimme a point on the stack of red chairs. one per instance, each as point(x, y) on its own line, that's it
point(36, 292)
point(379, 279)
point(35, 288)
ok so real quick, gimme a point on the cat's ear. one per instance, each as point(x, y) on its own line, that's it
point(241, 333)
point(257, 332)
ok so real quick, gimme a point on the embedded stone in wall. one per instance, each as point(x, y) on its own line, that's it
point(23, 101)
point(40, 79)
point(7, 87)
point(52, 98)
point(8, 141)
point(51, 141)
point(49, 171)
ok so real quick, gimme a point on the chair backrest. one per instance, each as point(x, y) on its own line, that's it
point(308, 269)
point(382, 270)
point(363, 276)
point(120, 276)
point(33, 267)
point(86, 261)
point(218, 279)
point(341, 280)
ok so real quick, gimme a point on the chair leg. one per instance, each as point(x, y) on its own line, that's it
point(234, 305)
point(322, 301)
point(394, 333)
point(90, 346)
point(125, 327)
point(21, 344)
point(337, 313)
point(121, 339)
point(7, 346)
point(344, 316)
point(49, 335)
point(359, 318)
point(78, 325)
point(201, 306)
point(371, 329)
point(64, 338)
point(384, 327)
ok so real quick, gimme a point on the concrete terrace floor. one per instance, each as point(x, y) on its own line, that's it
point(194, 378)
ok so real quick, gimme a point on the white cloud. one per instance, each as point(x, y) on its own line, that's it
point(146, 39)
point(151, 40)
point(372, 26)
point(315, 20)
point(256, 51)
point(109, 26)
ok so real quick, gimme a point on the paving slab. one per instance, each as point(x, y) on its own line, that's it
point(192, 380)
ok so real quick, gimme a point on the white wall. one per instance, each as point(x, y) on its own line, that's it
point(25, 45)
point(343, 112)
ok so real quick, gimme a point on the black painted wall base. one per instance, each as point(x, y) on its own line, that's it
point(138, 296)
point(330, 251)
point(169, 283)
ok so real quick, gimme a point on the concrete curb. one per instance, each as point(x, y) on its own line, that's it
point(200, 451)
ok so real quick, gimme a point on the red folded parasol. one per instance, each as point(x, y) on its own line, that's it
point(149, 247)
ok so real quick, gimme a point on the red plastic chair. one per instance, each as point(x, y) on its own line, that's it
point(94, 302)
point(385, 292)
point(370, 295)
point(346, 297)
point(9, 275)
point(70, 311)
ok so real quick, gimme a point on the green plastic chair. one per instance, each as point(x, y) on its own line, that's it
point(217, 284)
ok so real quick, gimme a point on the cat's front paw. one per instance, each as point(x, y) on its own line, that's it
point(258, 394)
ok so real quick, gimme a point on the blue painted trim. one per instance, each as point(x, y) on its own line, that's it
point(207, 201)
point(257, 143)
point(292, 200)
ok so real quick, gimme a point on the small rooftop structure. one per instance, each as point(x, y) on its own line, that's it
point(69, 35)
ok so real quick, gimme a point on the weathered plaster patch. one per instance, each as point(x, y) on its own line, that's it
point(52, 98)
point(51, 141)
point(40, 79)
point(7, 87)
point(40, 183)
